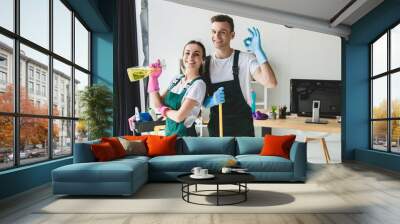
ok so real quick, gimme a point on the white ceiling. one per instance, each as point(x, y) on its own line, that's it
point(316, 15)
point(320, 9)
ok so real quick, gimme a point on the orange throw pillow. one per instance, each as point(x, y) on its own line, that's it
point(161, 145)
point(103, 152)
point(277, 145)
point(116, 145)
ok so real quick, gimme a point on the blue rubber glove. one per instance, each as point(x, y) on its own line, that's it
point(218, 97)
point(253, 44)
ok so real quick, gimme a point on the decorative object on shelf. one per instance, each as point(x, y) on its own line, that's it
point(259, 116)
point(96, 104)
point(273, 112)
point(282, 112)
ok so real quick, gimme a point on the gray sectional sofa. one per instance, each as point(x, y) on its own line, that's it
point(125, 176)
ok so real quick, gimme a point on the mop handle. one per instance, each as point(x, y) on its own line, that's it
point(221, 128)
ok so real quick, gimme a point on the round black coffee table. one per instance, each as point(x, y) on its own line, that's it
point(238, 179)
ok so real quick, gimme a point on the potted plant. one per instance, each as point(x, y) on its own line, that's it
point(273, 112)
point(96, 104)
point(282, 112)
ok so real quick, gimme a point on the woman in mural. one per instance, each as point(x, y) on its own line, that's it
point(181, 102)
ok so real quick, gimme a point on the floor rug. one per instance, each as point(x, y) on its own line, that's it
point(167, 198)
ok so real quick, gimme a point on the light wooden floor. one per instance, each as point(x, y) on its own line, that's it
point(378, 189)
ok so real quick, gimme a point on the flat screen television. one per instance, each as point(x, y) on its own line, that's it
point(304, 91)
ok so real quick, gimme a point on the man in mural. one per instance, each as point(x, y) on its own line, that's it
point(228, 75)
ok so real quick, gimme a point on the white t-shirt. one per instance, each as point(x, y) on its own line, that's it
point(221, 71)
point(196, 92)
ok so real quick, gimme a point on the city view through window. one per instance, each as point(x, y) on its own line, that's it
point(39, 113)
point(385, 92)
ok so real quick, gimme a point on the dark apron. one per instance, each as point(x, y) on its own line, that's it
point(236, 113)
point(174, 101)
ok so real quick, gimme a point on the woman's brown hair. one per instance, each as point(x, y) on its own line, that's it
point(198, 43)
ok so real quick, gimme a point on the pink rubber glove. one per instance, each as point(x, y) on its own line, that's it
point(163, 110)
point(153, 85)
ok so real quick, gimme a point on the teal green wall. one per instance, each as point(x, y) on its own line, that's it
point(376, 158)
point(102, 58)
point(103, 49)
point(102, 61)
point(24, 178)
point(91, 12)
point(103, 46)
point(356, 81)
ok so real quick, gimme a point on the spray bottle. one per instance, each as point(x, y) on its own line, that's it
point(137, 114)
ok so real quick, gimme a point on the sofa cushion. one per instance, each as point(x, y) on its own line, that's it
point(117, 146)
point(103, 152)
point(134, 147)
point(132, 157)
point(185, 163)
point(257, 163)
point(249, 145)
point(277, 145)
point(208, 145)
point(161, 145)
point(134, 137)
point(111, 171)
point(83, 152)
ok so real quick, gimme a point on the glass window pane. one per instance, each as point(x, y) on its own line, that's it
point(6, 142)
point(395, 136)
point(379, 135)
point(81, 81)
point(62, 138)
point(81, 131)
point(62, 89)
point(379, 55)
point(6, 74)
point(34, 72)
point(33, 140)
point(81, 45)
point(7, 14)
point(379, 97)
point(395, 47)
point(62, 29)
point(395, 94)
point(35, 21)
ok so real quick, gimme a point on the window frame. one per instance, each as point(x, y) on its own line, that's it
point(388, 74)
point(3, 74)
point(16, 114)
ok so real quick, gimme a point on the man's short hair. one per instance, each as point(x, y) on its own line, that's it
point(224, 18)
